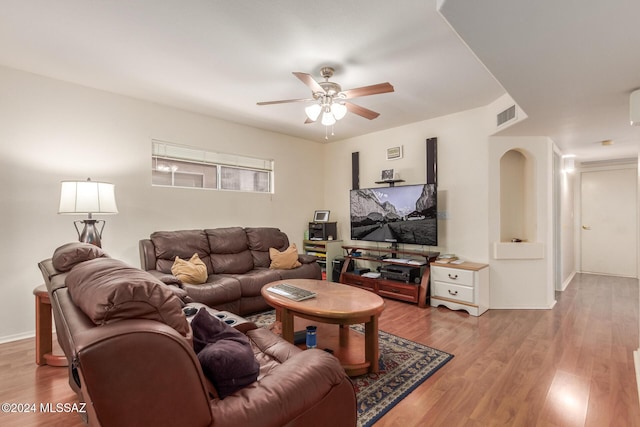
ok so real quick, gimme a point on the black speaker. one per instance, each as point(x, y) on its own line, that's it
point(355, 170)
point(432, 161)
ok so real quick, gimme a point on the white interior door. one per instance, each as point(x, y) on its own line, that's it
point(609, 221)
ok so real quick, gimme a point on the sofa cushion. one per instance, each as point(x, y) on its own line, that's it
point(285, 260)
point(191, 271)
point(70, 254)
point(108, 290)
point(261, 239)
point(229, 250)
point(218, 290)
point(170, 244)
point(225, 354)
point(252, 282)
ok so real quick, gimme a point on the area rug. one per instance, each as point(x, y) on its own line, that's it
point(404, 365)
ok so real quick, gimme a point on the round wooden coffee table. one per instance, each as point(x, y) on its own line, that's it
point(334, 304)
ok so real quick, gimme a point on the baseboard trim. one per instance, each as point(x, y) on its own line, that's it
point(17, 337)
point(566, 282)
point(508, 307)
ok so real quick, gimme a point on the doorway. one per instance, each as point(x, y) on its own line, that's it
point(608, 230)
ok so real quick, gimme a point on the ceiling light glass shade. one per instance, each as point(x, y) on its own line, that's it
point(87, 197)
point(313, 111)
point(338, 110)
point(327, 118)
point(569, 164)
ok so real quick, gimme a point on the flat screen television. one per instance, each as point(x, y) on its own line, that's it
point(403, 214)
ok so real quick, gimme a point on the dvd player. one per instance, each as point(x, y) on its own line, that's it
point(402, 273)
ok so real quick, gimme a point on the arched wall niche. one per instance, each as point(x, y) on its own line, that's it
point(517, 196)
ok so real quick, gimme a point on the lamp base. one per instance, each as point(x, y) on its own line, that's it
point(90, 232)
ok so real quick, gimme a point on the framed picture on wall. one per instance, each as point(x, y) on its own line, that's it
point(321, 216)
point(394, 153)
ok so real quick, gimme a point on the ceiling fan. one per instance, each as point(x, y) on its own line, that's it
point(331, 101)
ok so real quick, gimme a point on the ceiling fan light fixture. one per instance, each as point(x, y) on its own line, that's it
point(313, 111)
point(338, 110)
point(327, 118)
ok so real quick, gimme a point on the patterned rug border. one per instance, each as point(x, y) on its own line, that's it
point(375, 392)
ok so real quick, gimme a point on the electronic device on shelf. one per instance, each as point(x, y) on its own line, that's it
point(402, 273)
point(322, 230)
point(404, 214)
point(292, 292)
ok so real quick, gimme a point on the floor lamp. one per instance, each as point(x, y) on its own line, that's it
point(88, 197)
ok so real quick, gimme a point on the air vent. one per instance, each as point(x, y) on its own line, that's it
point(507, 115)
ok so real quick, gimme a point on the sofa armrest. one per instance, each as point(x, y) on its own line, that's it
point(147, 254)
point(310, 385)
point(130, 371)
point(307, 259)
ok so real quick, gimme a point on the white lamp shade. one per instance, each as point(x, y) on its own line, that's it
point(338, 110)
point(87, 197)
point(328, 119)
point(313, 111)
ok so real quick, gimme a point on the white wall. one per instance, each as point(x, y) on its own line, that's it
point(462, 175)
point(52, 131)
point(524, 277)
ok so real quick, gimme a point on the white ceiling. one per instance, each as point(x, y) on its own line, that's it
point(570, 65)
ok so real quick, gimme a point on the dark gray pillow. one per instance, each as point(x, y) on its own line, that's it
point(225, 354)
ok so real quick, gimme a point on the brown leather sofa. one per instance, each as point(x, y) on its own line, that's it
point(131, 356)
point(237, 261)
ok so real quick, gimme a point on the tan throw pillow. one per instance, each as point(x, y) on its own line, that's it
point(193, 271)
point(285, 260)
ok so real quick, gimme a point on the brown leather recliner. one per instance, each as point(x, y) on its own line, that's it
point(131, 358)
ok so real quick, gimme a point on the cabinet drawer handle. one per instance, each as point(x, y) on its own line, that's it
point(453, 276)
point(453, 292)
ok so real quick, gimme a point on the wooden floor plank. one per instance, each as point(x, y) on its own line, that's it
point(570, 366)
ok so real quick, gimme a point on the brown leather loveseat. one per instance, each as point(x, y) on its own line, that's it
point(237, 261)
point(131, 355)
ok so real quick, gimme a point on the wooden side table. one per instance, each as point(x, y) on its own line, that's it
point(44, 331)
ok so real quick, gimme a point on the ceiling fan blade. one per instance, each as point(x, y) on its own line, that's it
point(306, 122)
point(361, 111)
point(368, 90)
point(309, 81)
point(284, 101)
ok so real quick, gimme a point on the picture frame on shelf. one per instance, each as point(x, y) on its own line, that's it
point(321, 216)
point(387, 175)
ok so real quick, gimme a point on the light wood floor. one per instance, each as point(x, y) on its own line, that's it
point(570, 366)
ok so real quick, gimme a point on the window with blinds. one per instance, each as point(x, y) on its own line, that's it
point(185, 167)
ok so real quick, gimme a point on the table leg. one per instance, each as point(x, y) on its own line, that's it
point(371, 345)
point(287, 324)
point(44, 331)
